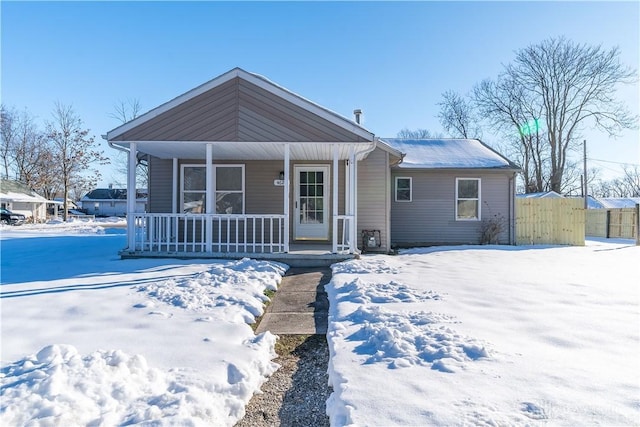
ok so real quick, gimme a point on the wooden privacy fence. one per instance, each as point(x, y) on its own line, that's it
point(548, 221)
point(620, 222)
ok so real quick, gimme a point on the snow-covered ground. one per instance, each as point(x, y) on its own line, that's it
point(89, 339)
point(489, 335)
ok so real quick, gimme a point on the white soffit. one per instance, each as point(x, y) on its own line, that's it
point(234, 150)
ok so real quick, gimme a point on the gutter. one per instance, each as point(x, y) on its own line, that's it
point(116, 147)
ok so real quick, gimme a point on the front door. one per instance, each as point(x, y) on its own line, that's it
point(311, 207)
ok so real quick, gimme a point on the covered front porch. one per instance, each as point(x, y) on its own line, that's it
point(241, 166)
point(315, 183)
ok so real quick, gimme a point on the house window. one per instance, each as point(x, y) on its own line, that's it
point(403, 189)
point(467, 199)
point(194, 188)
point(229, 189)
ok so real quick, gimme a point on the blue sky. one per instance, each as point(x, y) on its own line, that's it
point(391, 59)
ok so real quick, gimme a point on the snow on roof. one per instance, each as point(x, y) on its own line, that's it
point(619, 202)
point(112, 194)
point(14, 191)
point(539, 195)
point(448, 153)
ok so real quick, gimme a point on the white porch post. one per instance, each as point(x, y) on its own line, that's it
point(353, 230)
point(174, 188)
point(131, 196)
point(209, 197)
point(334, 202)
point(287, 194)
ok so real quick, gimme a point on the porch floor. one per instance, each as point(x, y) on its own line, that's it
point(299, 255)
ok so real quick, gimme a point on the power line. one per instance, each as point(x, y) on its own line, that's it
point(617, 163)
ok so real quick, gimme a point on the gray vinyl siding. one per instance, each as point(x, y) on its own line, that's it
point(429, 219)
point(160, 185)
point(373, 196)
point(238, 111)
point(261, 195)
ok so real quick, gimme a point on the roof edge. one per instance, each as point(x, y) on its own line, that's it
point(259, 81)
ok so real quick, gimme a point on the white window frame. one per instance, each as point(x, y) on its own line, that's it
point(215, 192)
point(182, 168)
point(477, 199)
point(410, 189)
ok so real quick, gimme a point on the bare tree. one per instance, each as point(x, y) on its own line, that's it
point(30, 154)
point(125, 111)
point(417, 134)
point(73, 151)
point(8, 121)
point(632, 180)
point(509, 109)
point(573, 84)
point(628, 185)
point(457, 116)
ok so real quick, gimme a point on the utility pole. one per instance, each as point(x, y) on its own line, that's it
point(584, 146)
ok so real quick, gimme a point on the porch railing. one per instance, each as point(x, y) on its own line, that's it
point(156, 232)
point(343, 241)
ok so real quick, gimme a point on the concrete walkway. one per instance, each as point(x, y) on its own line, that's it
point(300, 305)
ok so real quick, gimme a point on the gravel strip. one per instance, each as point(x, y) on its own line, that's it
point(296, 394)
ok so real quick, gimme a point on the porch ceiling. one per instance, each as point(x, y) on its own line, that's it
point(237, 150)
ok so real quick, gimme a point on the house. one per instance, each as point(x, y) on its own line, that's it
point(540, 195)
point(241, 166)
point(445, 189)
point(614, 202)
point(19, 198)
point(111, 202)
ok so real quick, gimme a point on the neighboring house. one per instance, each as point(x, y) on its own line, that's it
point(111, 202)
point(19, 198)
point(615, 202)
point(541, 195)
point(241, 165)
point(444, 189)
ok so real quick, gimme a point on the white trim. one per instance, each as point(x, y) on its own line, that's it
point(297, 227)
point(181, 186)
point(353, 200)
point(258, 81)
point(174, 186)
point(334, 198)
point(395, 190)
point(210, 196)
point(479, 199)
point(287, 196)
point(131, 195)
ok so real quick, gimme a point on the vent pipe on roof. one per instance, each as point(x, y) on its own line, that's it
point(357, 112)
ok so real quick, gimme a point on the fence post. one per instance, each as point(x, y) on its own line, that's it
point(608, 224)
point(637, 224)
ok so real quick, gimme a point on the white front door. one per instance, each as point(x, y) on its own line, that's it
point(311, 207)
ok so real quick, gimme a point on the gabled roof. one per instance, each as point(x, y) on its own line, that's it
point(449, 154)
point(618, 202)
point(237, 106)
point(111, 194)
point(15, 191)
point(540, 195)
